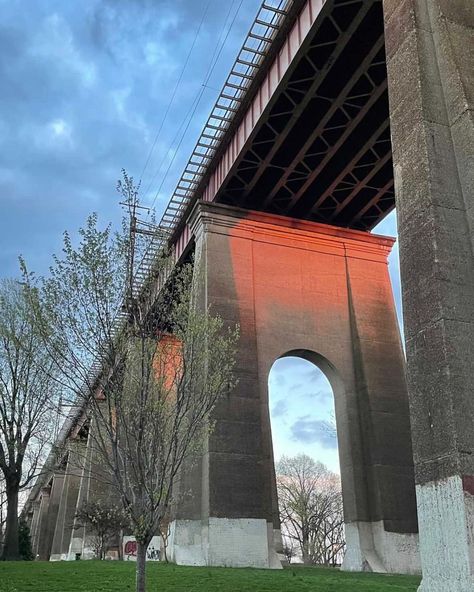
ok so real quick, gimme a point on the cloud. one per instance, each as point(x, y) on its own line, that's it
point(54, 42)
point(311, 431)
point(84, 89)
point(322, 397)
point(280, 408)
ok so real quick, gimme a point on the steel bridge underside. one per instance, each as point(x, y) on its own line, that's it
point(322, 151)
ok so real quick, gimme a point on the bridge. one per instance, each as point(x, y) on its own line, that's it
point(334, 112)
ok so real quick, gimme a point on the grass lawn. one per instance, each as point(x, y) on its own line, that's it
point(95, 576)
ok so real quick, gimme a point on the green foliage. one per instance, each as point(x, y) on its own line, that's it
point(26, 552)
point(28, 401)
point(104, 521)
point(164, 359)
point(117, 576)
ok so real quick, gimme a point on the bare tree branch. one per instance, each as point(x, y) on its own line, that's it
point(311, 513)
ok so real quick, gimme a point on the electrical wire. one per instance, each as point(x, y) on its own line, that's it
point(193, 109)
point(178, 82)
point(197, 99)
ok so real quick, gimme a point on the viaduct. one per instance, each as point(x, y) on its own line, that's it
point(334, 112)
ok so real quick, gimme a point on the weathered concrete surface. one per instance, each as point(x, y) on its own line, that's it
point(96, 486)
point(68, 502)
point(53, 507)
point(229, 542)
point(323, 293)
point(430, 55)
point(36, 504)
point(41, 542)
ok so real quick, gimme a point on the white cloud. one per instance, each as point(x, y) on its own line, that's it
point(54, 41)
point(292, 393)
point(60, 128)
point(60, 132)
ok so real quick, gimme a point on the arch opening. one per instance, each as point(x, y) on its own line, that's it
point(302, 386)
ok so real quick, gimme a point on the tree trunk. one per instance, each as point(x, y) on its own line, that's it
point(304, 548)
point(164, 537)
point(11, 551)
point(141, 566)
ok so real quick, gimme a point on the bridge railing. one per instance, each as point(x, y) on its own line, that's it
point(262, 33)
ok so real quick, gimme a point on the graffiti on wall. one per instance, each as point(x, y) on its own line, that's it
point(130, 549)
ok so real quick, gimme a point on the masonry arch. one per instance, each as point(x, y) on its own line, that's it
point(304, 385)
point(302, 389)
point(302, 287)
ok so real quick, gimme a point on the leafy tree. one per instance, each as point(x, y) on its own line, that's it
point(24, 541)
point(104, 521)
point(311, 513)
point(160, 362)
point(27, 401)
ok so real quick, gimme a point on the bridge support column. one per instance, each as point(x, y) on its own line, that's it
point(53, 508)
point(96, 486)
point(40, 548)
point(68, 501)
point(36, 505)
point(323, 293)
point(430, 56)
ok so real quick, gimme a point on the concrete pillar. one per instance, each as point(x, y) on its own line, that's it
point(68, 502)
point(96, 485)
point(29, 518)
point(322, 293)
point(35, 505)
point(53, 508)
point(41, 539)
point(78, 534)
point(430, 58)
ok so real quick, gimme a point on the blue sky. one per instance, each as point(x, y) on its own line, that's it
point(85, 86)
point(84, 93)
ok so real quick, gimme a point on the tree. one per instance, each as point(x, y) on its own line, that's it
point(3, 508)
point(289, 549)
point(310, 502)
point(105, 521)
point(27, 402)
point(24, 541)
point(161, 362)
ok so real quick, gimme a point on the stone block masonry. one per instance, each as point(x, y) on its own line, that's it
point(323, 293)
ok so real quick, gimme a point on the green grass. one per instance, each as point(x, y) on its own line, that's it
point(95, 576)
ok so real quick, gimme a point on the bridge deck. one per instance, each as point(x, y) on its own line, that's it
point(314, 143)
point(322, 151)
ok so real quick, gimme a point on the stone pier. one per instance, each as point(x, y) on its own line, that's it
point(53, 509)
point(430, 52)
point(40, 541)
point(68, 503)
point(323, 293)
point(95, 486)
point(34, 532)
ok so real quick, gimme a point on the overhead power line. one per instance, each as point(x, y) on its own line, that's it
point(178, 82)
point(195, 104)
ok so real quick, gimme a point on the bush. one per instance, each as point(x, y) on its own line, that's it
point(24, 541)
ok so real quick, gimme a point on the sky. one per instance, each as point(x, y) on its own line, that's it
point(89, 88)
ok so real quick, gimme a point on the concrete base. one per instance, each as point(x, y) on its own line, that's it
point(275, 540)
point(225, 542)
point(82, 546)
point(371, 548)
point(59, 557)
point(447, 547)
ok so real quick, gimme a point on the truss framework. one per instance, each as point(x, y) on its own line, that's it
point(323, 152)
